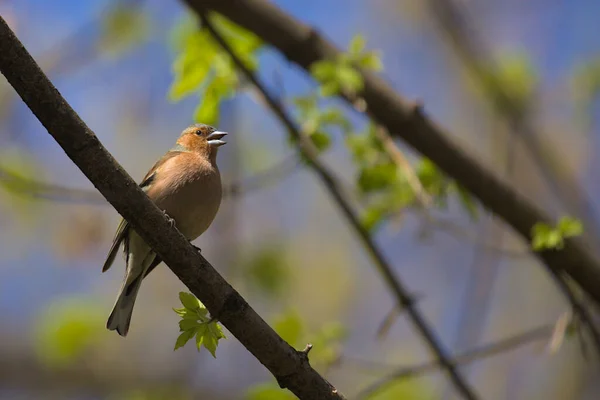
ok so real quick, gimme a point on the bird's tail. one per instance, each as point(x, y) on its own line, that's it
point(120, 317)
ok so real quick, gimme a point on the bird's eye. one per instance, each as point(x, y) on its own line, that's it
point(199, 132)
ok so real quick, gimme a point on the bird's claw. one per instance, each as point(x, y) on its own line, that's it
point(171, 220)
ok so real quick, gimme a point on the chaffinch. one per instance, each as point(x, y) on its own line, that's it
point(186, 184)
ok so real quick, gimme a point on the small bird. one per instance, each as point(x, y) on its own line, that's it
point(186, 184)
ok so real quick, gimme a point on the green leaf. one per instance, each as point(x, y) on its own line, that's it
point(290, 327)
point(321, 140)
point(183, 338)
point(189, 300)
point(371, 61)
point(570, 227)
point(357, 44)
point(372, 216)
point(330, 88)
point(324, 70)
point(377, 177)
point(188, 324)
point(349, 78)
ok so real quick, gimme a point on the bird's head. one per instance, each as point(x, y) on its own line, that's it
point(202, 139)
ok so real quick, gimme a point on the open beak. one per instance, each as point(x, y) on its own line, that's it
point(214, 139)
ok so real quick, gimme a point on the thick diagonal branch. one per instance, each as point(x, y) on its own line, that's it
point(308, 150)
point(290, 367)
point(403, 119)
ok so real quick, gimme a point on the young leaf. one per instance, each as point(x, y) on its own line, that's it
point(189, 301)
point(183, 338)
point(357, 44)
point(570, 227)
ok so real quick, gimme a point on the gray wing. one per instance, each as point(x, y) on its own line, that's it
point(120, 235)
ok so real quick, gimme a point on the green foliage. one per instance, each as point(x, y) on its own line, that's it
point(195, 322)
point(203, 68)
point(546, 237)
point(122, 28)
point(67, 329)
point(340, 74)
point(386, 187)
point(318, 123)
point(267, 270)
point(515, 75)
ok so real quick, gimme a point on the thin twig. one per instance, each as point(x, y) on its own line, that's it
point(470, 48)
point(541, 333)
point(309, 152)
point(400, 160)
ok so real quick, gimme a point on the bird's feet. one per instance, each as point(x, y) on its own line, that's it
point(171, 220)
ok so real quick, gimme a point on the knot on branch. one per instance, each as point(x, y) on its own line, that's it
point(283, 380)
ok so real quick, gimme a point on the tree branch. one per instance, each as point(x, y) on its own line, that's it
point(290, 367)
point(403, 119)
point(308, 150)
point(473, 53)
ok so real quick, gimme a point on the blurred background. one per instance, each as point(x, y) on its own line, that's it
point(515, 82)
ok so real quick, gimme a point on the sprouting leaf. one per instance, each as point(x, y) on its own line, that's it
point(546, 237)
point(183, 338)
point(570, 227)
point(357, 45)
point(195, 322)
point(189, 300)
point(323, 70)
point(371, 61)
point(202, 67)
point(372, 216)
point(321, 140)
point(349, 79)
point(377, 177)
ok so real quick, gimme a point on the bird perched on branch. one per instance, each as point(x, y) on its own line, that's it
point(186, 184)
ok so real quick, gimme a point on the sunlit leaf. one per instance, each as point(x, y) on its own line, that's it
point(357, 44)
point(183, 338)
point(377, 177)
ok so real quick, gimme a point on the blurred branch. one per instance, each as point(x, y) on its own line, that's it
point(474, 55)
point(478, 353)
point(472, 51)
point(403, 119)
point(307, 150)
point(290, 367)
point(47, 191)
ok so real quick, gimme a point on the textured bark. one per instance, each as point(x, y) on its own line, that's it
point(405, 120)
point(290, 367)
